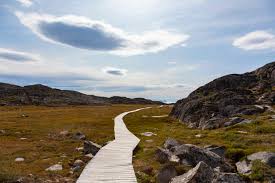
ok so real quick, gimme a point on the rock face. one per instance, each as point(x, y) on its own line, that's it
point(211, 105)
point(44, 95)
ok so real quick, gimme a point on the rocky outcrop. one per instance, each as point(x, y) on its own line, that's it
point(166, 173)
point(44, 95)
point(245, 166)
point(211, 105)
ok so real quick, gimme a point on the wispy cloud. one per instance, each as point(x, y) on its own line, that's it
point(16, 56)
point(115, 71)
point(84, 33)
point(26, 3)
point(257, 40)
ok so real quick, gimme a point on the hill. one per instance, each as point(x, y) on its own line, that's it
point(44, 95)
point(221, 101)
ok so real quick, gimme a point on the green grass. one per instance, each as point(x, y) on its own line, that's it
point(259, 137)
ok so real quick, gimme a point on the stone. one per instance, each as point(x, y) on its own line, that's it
point(227, 178)
point(244, 167)
point(79, 163)
point(166, 173)
point(148, 134)
point(233, 121)
point(265, 157)
point(200, 173)
point(64, 133)
point(56, 167)
point(79, 149)
point(91, 147)
point(192, 155)
point(76, 169)
point(89, 155)
point(169, 143)
point(79, 136)
point(198, 135)
point(162, 155)
point(19, 159)
point(149, 141)
point(2, 131)
point(23, 138)
point(219, 150)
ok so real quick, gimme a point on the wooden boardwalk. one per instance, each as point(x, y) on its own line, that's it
point(113, 163)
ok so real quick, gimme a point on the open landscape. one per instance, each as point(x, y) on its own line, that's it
point(137, 91)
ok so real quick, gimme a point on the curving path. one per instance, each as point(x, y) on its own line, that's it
point(113, 163)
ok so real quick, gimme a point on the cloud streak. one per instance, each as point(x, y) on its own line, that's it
point(257, 40)
point(84, 33)
point(26, 3)
point(114, 71)
point(16, 56)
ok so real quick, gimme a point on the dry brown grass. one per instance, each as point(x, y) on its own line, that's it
point(44, 146)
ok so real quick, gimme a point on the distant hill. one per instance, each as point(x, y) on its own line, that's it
point(233, 95)
point(44, 95)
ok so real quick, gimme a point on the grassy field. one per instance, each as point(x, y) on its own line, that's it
point(44, 146)
point(239, 140)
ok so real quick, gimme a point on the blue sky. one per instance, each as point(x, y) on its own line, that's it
point(158, 49)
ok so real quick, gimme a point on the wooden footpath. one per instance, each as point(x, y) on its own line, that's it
point(113, 163)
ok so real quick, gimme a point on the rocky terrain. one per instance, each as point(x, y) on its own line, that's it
point(208, 164)
point(44, 95)
point(217, 103)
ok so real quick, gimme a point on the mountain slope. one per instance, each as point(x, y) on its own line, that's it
point(211, 105)
point(44, 95)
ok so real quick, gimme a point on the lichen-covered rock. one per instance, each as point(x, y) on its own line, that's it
point(201, 173)
point(169, 143)
point(265, 157)
point(193, 155)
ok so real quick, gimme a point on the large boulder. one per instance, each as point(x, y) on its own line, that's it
point(201, 173)
point(91, 147)
point(191, 155)
point(211, 105)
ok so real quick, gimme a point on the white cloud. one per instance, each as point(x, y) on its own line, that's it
point(26, 3)
point(172, 63)
point(17, 56)
point(84, 33)
point(257, 40)
point(114, 71)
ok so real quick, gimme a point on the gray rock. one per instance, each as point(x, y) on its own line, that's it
point(79, 163)
point(79, 136)
point(233, 121)
point(162, 155)
point(227, 178)
point(76, 169)
point(166, 173)
point(169, 143)
point(148, 134)
point(56, 167)
point(201, 173)
point(266, 157)
point(192, 155)
point(19, 159)
point(91, 147)
point(219, 150)
point(244, 167)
